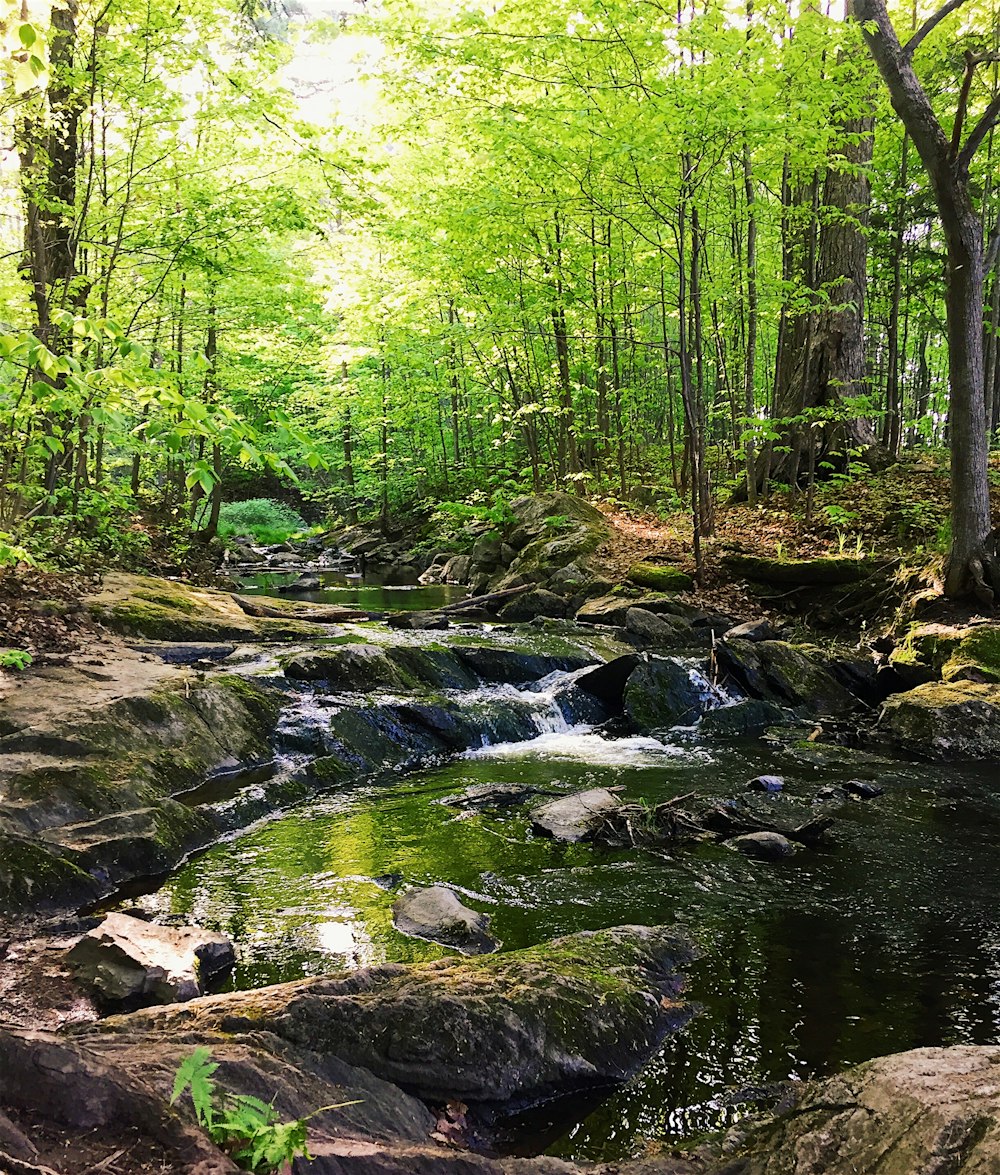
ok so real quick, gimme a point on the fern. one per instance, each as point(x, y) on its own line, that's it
point(195, 1073)
point(245, 1127)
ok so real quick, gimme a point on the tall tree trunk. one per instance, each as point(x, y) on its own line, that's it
point(972, 562)
point(822, 358)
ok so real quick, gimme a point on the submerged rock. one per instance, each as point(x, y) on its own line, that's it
point(579, 1012)
point(575, 817)
point(765, 846)
point(437, 914)
point(494, 795)
point(127, 961)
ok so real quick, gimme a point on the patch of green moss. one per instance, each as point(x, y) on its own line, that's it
point(660, 577)
point(824, 571)
point(31, 872)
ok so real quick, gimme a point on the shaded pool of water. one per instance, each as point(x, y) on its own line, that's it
point(886, 940)
point(376, 592)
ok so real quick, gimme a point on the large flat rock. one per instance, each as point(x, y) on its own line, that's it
point(579, 1012)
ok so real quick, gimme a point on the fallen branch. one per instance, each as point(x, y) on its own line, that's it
point(484, 603)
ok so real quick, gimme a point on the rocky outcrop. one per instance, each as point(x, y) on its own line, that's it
point(437, 915)
point(166, 610)
point(944, 720)
point(91, 779)
point(786, 674)
point(575, 817)
point(575, 1013)
point(924, 1112)
point(126, 961)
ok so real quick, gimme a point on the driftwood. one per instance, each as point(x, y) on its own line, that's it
point(729, 822)
point(484, 603)
point(650, 827)
point(331, 615)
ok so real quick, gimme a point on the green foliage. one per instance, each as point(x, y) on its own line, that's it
point(12, 553)
point(245, 1127)
point(14, 659)
point(265, 519)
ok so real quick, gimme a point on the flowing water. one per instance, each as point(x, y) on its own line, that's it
point(887, 939)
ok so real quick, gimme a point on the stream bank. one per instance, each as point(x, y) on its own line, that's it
point(170, 745)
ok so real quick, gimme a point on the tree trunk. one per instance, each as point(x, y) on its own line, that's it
point(972, 564)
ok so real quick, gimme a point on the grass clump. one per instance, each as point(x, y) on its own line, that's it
point(264, 519)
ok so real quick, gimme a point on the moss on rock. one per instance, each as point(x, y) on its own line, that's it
point(660, 577)
point(945, 720)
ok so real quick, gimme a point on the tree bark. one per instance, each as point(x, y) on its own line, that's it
point(971, 565)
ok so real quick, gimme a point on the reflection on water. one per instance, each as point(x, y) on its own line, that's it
point(887, 940)
point(376, 592)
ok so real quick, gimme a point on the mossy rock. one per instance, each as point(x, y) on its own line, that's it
point(945, 720)
point(948, 652)
point(34, 875)
point(791, 675)
point(660, 577)
point(824, 571)
point(582, 1011)
point(660, 693)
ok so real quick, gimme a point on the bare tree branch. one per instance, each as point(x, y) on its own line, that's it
point(979, 133)
point(929, 25)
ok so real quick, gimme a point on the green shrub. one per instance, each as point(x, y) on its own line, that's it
point(246, 1128)
point(266, 520)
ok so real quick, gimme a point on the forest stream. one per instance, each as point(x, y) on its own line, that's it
point(884, 938)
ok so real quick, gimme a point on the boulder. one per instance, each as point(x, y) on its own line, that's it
point(766, 783)
point(945, 720)
point(515, 1028)
point(656, 630)
point(662, 693)
point(487, 552)
point(437, 914)
point(456, 570)
point(752, 630)
point(346, 667)
point(128, 961)
point(949, 652)
point(763, 846)
point(610, 610)
point(575, 817)
point(660, 577)
point(551, 532)
point(537, 602)
point(923, 1112)
point(607, 682)
point(780, 672)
